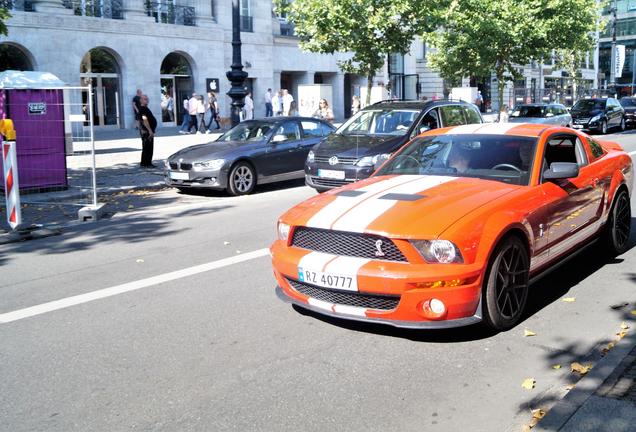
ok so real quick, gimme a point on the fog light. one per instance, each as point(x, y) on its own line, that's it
point(433, 309)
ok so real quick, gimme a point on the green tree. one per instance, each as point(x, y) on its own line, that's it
point(369, 29)
point(480, 37)
point(4, 16)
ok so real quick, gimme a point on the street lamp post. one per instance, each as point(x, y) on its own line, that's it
point(613, 56)
point(237, 75)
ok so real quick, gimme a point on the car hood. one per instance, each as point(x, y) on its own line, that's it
point(630, 110)
point(585, 113)
point(357, 145)
point(408, 206)
point(215, 150)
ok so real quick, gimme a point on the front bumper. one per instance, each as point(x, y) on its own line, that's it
point(403, 281)
point(199, 179)
point(322, 176)
point(630, 119)
point(588, 125)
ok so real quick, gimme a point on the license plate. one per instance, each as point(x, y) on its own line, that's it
point(328, 280)
point(331, 174)
point(179, 175)
point(577, 126)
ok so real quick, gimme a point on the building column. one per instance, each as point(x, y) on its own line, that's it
point(338, 91)
point(134, 10)
point(52, 7)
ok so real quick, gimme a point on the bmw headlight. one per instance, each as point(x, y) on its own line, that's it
point(310, 156)
point(212, 164)
point(438, 251)
point(369, 161)
point(596, 118)
point(283, 231)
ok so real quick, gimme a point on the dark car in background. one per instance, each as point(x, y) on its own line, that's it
point(368, 138)
point(552, 114)
point(253, 152)
point(629, 105)
point(598, 114)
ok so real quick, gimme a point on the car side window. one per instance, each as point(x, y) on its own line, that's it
point(452, 115)
point(430, 121)
point(472, 115)
point(596, 149)
point(290, 130)
point(326, 129)
point(311, 129)
point(564, 148)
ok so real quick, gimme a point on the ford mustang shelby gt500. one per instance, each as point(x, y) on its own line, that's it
point(452, 229)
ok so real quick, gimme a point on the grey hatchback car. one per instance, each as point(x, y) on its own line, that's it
point(552, 114)
point(255, 151)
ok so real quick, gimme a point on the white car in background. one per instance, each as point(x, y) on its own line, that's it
point(552, 114)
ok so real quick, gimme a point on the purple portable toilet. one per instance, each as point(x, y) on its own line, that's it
point(35, 103)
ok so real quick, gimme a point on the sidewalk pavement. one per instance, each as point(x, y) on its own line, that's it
point(603, 400)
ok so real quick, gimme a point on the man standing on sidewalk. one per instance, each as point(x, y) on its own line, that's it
point(269, 111)
point(193, 104)
point(147, 126)
point(135, 105)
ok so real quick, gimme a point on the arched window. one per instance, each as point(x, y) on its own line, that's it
point(13, 58)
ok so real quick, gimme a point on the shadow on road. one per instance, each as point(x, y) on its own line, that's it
point(259, 189)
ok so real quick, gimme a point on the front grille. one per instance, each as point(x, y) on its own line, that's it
point(341, 160)
point(181, 166)
point(367, 301)
point(346, 244)
point(582, 120)
point(319, 181)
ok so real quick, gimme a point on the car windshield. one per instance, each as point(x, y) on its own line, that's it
point(247, 131)
point(529, 111)
point(589, 105)
point(628, 102)
point(502, 158)
point(379, 122)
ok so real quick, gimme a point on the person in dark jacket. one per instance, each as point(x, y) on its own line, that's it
point(147, 127)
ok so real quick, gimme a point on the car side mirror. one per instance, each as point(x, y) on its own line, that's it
point(561, 170)
point(279, 138)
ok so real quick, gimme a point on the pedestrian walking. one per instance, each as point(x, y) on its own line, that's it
point(185, 120)
point(248, 108)
point(147, 127)
point(503, 115)
point(200, 115)
point(323, 111)
point(355, 105)
point(269, 109)
point(193, 103)
point(277, 103)
point(287, 103)
point(136, 103)
point(170, 106)
point(213, 108)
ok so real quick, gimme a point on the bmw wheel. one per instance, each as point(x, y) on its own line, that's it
point(242, 179)
point(618, 226)
point(506, 284)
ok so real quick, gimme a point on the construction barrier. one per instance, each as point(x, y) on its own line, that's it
point(10, 169)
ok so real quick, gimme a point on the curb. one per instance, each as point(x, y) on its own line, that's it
point(565, 409)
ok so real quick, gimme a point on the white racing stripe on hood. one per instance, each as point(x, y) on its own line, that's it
point(361, 216)
point(315, 261)
point(486, 129)
point(332, 211)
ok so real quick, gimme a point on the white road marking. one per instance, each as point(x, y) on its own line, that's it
point(130, 286)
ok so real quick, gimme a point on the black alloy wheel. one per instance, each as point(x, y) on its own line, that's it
point(618, 227)
point(242, 179)
point(603, 128)
point(506, 284)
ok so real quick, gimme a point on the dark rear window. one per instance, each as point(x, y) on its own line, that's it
point(529, 111)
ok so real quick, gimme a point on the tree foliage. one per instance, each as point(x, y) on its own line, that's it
point(369, 29)
point(4, 16)
point(480, 37)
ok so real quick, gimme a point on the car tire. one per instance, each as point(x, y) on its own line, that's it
point(505, 289)
point(603, 127)
point(618, 226)
point(242, 179)
point(623, 127)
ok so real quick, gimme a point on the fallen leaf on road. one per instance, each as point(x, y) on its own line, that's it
point(581, 369)
point(556, 366)
point(537, 414)
point(528, 383)
point(569, 299)
point(140, 260)
point(226, 243)
point(570, 387)
point(621, 334)
point(527, 333)
point(624, 326)
point(607, 348)
point(619, 306)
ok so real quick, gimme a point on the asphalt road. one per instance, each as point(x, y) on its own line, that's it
point(167, 320)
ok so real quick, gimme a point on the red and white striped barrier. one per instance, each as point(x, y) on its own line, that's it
point(10, 165)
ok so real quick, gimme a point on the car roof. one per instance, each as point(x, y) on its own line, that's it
point(279, 119)
point(413, 104)
point(511, 129)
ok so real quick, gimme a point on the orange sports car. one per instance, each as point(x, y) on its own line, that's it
point(453, 228)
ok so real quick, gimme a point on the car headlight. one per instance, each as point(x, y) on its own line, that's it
point(596, 118)
point(166, 164)
point(372, 160)
point(310, 157)
point(438, 251)
point(283, 231)
point(210, 164)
